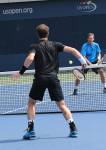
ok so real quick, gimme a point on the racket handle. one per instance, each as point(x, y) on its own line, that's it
point(84, 67)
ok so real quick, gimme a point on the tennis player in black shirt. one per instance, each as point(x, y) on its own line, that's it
point(45, 56)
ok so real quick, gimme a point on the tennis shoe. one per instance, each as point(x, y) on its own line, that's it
point(75, 92)
point(104, 90)
point(29, 135)
point(73, 130)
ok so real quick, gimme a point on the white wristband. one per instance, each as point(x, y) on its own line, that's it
point(82, 60)
point(99, 57)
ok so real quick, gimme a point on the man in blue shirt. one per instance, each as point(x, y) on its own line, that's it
point(92, 53)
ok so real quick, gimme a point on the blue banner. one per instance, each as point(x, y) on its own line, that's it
point(51, 9)
point(69, 22)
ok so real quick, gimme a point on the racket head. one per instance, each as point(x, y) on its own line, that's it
point(79, 74)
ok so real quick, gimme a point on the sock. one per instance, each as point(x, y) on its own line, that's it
point(104, 85)
point(72, 124)
point(70, 120)
point(31, 125)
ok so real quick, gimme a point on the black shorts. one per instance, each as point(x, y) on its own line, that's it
point(93, 69)
point(40, 84)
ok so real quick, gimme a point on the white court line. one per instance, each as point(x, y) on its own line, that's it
point(25, 107)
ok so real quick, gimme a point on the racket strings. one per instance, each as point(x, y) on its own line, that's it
point(78, 74)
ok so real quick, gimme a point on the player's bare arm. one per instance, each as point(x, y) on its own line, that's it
point(99, 58)
point(76, 53)
point(88, 62)
point(28, 61)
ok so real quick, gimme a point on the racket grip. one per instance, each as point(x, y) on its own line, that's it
point(82, 60)
point(83, 67)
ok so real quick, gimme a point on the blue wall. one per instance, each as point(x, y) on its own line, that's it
point(68, 25)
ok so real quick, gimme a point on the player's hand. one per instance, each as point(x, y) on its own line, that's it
point(16, 76)
point(99, 62)
point(89, 63)
point(84, 66)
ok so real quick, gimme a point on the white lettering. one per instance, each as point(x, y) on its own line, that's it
point(17, 11)
point(88, 6)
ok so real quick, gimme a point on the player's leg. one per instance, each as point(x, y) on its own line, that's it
point(103, 80)
point(68, 116)
point(36, 93)
point(56, 95)
point(77, 82)
point(31, 115)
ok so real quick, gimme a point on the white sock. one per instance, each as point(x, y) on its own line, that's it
point(30, 120)
point(104, 85)
point(70, 120)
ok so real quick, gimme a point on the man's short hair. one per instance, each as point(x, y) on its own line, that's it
point(42, 30)
point(90, 34)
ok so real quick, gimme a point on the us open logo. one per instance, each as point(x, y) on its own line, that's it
point(87, 7)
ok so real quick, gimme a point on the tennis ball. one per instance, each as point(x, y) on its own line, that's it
point(70, 62)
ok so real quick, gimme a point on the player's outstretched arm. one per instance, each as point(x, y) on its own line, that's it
point(99, 58)
point(28, 61)
point(76, 53)
point(88, 62)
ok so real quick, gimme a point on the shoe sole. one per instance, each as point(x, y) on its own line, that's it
point(29, 138)
point(73, 135)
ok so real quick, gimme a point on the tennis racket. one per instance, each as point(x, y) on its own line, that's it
point(79, 74)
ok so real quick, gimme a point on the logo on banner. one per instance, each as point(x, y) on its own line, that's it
point(87, 6)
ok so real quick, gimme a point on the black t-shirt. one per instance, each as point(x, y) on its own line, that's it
point(46, 58)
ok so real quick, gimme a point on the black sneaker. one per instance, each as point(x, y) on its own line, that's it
point(104, 90)
point(73, 130)
point(75, 92)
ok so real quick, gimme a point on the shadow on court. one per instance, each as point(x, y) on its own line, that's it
point(6, 141)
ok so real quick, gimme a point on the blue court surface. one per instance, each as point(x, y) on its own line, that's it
point(14, 97)
point(52, 132)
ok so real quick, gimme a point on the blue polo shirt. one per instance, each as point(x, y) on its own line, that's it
point(91, 51)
